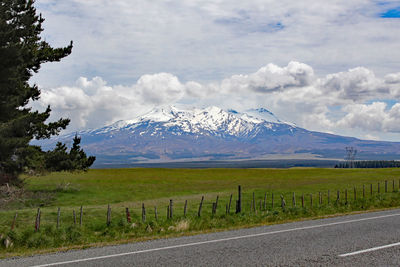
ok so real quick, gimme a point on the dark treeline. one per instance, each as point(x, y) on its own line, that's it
point(369, 164)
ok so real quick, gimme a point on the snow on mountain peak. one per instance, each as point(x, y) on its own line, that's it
point(209, 119)
point(263, 114)
point(213, 110)
point(160, 114)
point(201, 121)
point(115, 126)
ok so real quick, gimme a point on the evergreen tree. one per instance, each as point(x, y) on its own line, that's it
point(60, 160)
point(78, 157)
point(21, 54)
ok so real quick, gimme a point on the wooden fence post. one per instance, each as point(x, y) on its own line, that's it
point(184, 208)
point(214, 208)
point(143, 213)
point(108, 215)
point(302, 200)
point(294, 200)
point(201, 204)
point(320, 198)
point(168, 212)
point(14, 221)
point(230, 202)
point(254, 202)
point(128, 215)
point(58, 217)
point(37, 221)
point(265, 201)
point(311, 204)
point(345, 197)
point(40, 219)
point(155, 213)
point(171, 204)
point(379, 188)
point(81, 217)
point(371, 190)
point(386, 186)
point(283, 202)
point(227, 209)
point(74, 216)
point(272, 200)
point(239, 206)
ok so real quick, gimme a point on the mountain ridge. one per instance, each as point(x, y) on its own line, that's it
point(169, 133)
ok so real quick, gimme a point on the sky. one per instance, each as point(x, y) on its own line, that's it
point(330, 66)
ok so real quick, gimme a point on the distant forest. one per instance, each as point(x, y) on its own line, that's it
point(369, 164)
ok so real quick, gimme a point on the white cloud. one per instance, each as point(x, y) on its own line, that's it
point(271, 78)
point(369, 117)
point(160, 88)
point(344, 103)
point(358, 84)
point(373, 117)
point(206, 40)
point(393, 78)
point(92, 103)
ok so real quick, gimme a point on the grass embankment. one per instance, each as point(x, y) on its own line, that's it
point(130, 188)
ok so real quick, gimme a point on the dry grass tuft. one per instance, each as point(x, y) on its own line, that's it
point(182, 226)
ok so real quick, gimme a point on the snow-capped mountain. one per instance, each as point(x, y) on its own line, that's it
point(170, 133)
point(208, 121)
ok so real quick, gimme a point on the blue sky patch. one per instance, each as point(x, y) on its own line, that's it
point(390, 102)
point(391, 13)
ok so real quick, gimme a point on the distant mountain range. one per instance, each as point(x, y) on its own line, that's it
point(170, 134)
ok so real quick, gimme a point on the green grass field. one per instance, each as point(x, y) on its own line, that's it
point(103, 186)
point(130, 188)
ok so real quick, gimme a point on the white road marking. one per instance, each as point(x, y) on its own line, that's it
point(217, 240)
point(369, 250)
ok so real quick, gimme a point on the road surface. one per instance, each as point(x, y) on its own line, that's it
point(370, 239)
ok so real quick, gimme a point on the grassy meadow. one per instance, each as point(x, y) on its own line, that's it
point(122, 188)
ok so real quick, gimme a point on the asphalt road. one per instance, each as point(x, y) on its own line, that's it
point(371, 239)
